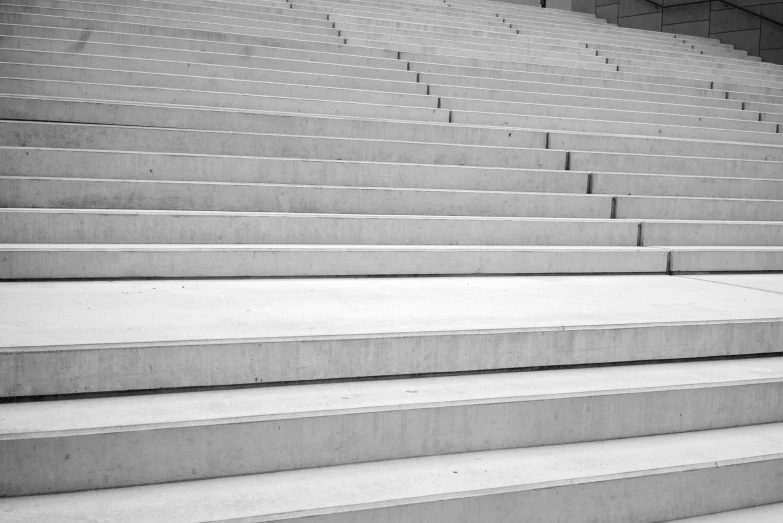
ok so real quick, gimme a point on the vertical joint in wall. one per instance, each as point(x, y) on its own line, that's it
point(669, 262)
point(640, 234)
point(567, 158)
point(589, 183)
point(451, 116)
point(613, 212)
point(546, 140)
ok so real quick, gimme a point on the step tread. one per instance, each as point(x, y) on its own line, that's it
point(401, 482)
point(106, 312)
point(80, 417)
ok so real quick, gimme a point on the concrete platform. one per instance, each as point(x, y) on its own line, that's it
point(765, 514)
point(660, 477)
point(124, 441)
point(101, 336)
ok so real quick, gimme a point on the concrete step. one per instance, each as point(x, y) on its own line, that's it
point(14, 25)
point(75, 261)
point(227, 332)
point(170, 11)
point(299, 427)
point(613, 122)
point(750, 82)
point(654, 477)
point(83, 261)
point(201, 227)
point(673, 185)
point(663, 164)
point(258, 71)
point(708, 66)
point(499, 83)
point(174, 19)
point(583, 107)
point(176, 28)
point(573, 141)
point(725, 259)
point(447, 86)
point(208, 83)
point(242, 121)
point(689, 58)
point(178, 49)
point(319, 100)
point(697, 233)
point(763, 514)
point(28, 161)
point(357, 120)
point(149, 139)
point(678, 208)
point(669, 82)
point(83, 193)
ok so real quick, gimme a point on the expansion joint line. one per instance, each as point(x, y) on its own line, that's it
point(640, 234)
point(613, 212)
point(567, 161)
point(589, 183)
point(669, 262)
point(546, 140)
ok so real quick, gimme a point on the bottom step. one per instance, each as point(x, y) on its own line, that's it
point(84, 261)
point(651, 479)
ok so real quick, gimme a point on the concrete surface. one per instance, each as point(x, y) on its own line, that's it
point(659, 478)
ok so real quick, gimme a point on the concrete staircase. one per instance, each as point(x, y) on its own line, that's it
point(200, 198)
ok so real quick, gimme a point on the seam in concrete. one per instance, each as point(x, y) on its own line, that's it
point(428, 92)
point(730, 284)
point(589, 183)
point(640, 235)
point(760, 114)
point(669, 263)
point(451, 116)
point(408, 66)
point(546, 140)
point(417, 77)
point(743, 106)
point(567, 159)
point(613, 212)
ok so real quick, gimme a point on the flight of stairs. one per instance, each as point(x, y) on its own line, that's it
point(348, 261)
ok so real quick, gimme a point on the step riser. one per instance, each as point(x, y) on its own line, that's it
point(651, 164)
point(685, 261)
point(669, 185)
point(153, 166)
point(124, 458)
point(47, 264)
point(73, 136)
point(176, 227)
point(105, 194)
point(688, 209)
point(118, 368)
point(711, 234)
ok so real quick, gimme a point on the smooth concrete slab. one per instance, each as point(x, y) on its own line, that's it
point(26, 261)
point(120, 312)
point(655, 478)
point(749, 281)
point(30, 161)
point(124, 441)
point(726, 259)
point(82, 193)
